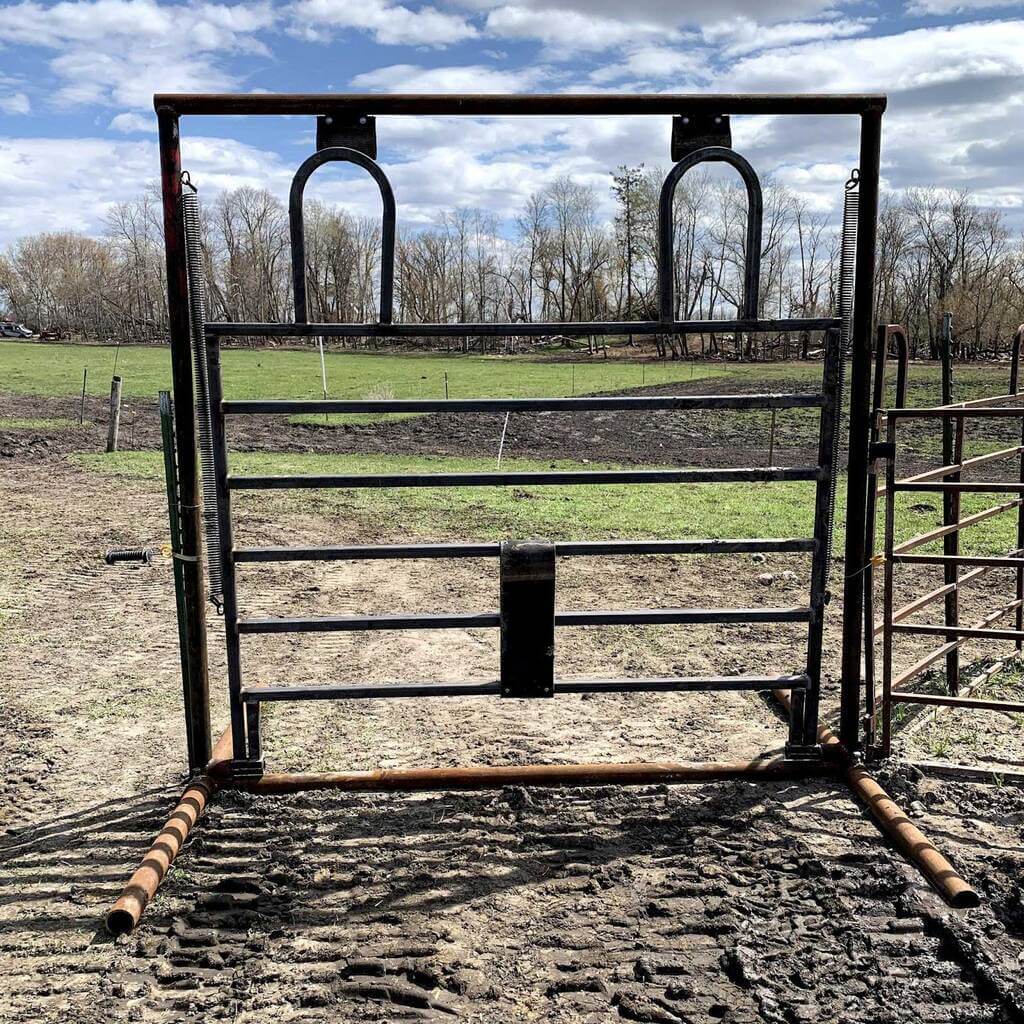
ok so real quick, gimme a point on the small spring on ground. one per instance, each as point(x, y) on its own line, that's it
point(114, 555)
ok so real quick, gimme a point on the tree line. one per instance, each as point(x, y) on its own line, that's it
point(562, 258)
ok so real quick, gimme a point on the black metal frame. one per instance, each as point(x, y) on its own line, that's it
point(245, 701)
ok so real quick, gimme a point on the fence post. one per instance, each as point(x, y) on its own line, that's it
point(114, 420)
point(951, 454)
point(198, 714)
point(81, 408)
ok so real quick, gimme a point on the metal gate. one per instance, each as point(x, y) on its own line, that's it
point(526, 618)
point(948, 481)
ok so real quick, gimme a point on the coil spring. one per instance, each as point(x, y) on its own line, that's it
point(197, 321)
point(847, 274)
point(115, 555)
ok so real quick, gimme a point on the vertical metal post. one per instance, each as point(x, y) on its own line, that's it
point(950, 500)
point(114, 416)
point(198, 711)
point(887, 592)
point(174, 522)
point(244, 754)
point(81, 408)
point(860, 404)
point(1015, 347)
point(822, 529)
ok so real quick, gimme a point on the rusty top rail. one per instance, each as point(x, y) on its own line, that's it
point(566, 104)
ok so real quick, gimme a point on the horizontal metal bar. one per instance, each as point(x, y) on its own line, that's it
point(366, 691)
point(575, 329)
point(346, 623)
point(961, 631)
point(682, 685)
point(944, 471)
point(670, 616)
point(942, 531)
point(992, 561)
point(367, 552)
point(929, 659)
point(471, 620)
point(958, 486)
point(592, 403)
point(941, 700)
point(768, 474)
point(973, 773)
point(503, 105)
point(346, 691)
point(722, 546)
point(475, 778)
point(955, 412)
point(979, 403)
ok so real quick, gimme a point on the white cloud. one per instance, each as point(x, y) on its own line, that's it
point(746, 35)
point(388, 23)
point(666, 13)
point(119, 52)
point(569, 31)
point(687, 69)
point(44, 190)
point(946, 7)
point(471, 78)
point(14, 103)
point(130, 123)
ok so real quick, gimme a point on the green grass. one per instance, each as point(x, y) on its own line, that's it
point(560, 512)
point(56, 370)
point(42, 423)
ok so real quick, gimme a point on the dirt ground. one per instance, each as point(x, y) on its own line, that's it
point(732, 902)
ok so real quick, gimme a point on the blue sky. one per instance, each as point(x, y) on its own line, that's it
point(77, 129)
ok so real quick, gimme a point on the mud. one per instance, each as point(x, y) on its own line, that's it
point(733, 902)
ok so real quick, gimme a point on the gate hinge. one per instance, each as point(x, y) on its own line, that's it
point(353, 131)
point(882, 450)
point(695, 131)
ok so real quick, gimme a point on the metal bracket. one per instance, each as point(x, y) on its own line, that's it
point(882, 450)
point(691, 132)
point(527, 618)
point(798, 752)
point(248, 769)
point(352, 131)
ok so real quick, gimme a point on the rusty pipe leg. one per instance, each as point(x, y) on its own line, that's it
point(550, 775)
point(910, 840)
point(906, 836)
point(124, 915)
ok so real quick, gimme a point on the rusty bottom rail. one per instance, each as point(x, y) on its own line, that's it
point(124, 915)
point(906, 836)
point(546, 775)
point(139, 891)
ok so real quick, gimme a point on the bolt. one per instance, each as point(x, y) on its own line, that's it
point(718, 120)
point(328, 120)
point(686, 120)
point(362, 120)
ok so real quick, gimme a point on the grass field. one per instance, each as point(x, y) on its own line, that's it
point(56, 370)
point(651, 510)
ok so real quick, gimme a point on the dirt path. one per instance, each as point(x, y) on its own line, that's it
point(725, 903)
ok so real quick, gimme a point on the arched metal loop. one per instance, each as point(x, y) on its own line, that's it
point(755, 207)
point(887, 333)
point(1018, 337)
point(298, 232)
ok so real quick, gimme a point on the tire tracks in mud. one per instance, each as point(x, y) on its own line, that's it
point(659, 905)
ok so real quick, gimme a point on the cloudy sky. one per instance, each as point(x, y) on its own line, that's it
point(77, 128)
